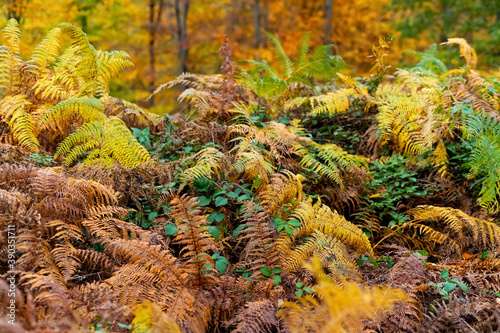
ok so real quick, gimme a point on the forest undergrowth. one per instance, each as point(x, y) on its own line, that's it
point(282, 197)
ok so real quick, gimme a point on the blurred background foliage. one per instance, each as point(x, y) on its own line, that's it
point(167, 37)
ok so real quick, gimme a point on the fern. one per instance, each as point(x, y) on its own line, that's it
point(194, 237)
point(484, 159)
point(336, 308)
point(10, 58)
point(108, 142)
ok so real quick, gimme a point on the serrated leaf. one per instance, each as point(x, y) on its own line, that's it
point(212, 230)
point(170, 229)
point(449, 286)
point(309, 290)
point(220, 201)
point(266, 271)
point(203, 201)
point(152, 216)
point(215, 217)
point(221, 266)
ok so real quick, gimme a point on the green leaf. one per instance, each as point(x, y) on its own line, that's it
point(444, 273)
point(170, 229)
point(289, 230)
point(298, 293)
point(152, 216)
point(276, 270)
point(215, 217)
point(449, 286)
point(203, 201)
point(243, 197)
point(294, 223)
point(238, 229)
point(233, 195)
point(277, 280)
point(309, 290)
point(221, 266)
point(299, 284)
point(266, 271)
point(212, 230)
point(220, 201)
point(485, 255)
point(463, 287)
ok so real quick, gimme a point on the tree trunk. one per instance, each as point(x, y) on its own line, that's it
point(328, 22)
point(181, 12)
point(256, 22)
point(15, 10)
point(265, 16)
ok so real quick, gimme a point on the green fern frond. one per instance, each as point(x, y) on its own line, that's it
point(485, 158)
point(10, 57)
point(332, 161)
point(285, 62)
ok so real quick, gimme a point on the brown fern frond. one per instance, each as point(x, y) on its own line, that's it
point(194, 238)
point(466, 51)
point(260, 251)
point(256, 317)
point(461, 315)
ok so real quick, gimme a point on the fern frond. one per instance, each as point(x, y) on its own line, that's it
point(15, 109)
point(331, 251)
point(256, 317)
point(320, 217)
point(194, 238)
point(149, 318)
point(337, 308)
point(10, 57)
point(209, 161)
point(285, 62)
point(45, 53)
point(60, 116)
point(110, 64)
point(86, 65)
point(282, 189)
point(466, 51)
point(260, 250)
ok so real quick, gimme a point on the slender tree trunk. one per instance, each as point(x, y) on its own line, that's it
point(265, 16)
point(256, 22)
point(152, 37)
point(181, 12)
point(328, 22)
point(15, 10)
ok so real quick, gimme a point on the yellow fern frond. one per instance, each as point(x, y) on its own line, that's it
point(45, 53)
point(320, 217)
point(209, 161)
point(336, 308)
point(10, 57)
point(466, 51)
point(15, 110)
point(149, 318)
point(110, 64)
